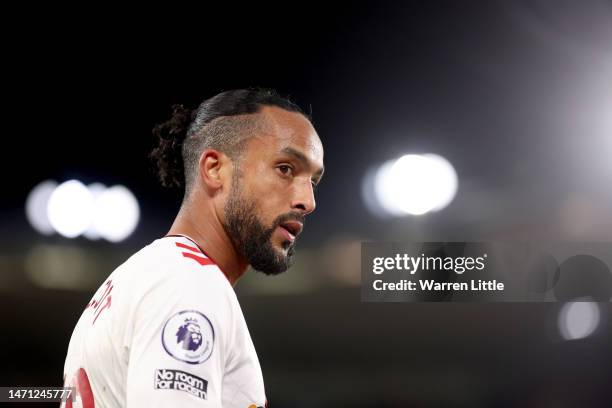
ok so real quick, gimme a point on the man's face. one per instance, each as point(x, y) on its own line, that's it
point(272, 189)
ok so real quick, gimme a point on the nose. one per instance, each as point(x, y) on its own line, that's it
point(304, 198)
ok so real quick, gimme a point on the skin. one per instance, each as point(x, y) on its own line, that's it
point(279, 167)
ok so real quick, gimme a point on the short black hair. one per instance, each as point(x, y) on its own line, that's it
point(181, 139)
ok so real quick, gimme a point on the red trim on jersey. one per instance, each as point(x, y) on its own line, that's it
point(201, 261)
point(181, 245)
point(83, 390)
point(194, 243)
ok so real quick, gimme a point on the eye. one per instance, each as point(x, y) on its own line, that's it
point(285, 169)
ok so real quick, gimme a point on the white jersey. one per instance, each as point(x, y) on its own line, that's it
point(164, 330)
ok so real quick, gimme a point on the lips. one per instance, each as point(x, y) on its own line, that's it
point(293, 227)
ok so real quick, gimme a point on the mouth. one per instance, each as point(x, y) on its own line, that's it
point(292, 229)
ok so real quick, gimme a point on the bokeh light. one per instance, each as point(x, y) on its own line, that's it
point(69, 208)
point(73, 209)
point(578, 320)
point(36, 207)
point(96, 189)
point(414, 184)
point(116, 213)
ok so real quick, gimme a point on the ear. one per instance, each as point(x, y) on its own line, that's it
point(213, 168)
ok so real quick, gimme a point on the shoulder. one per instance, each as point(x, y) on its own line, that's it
point(175, 285)
point(172, 260)
point(172, 271)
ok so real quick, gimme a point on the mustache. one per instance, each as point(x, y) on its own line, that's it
point(294, 216)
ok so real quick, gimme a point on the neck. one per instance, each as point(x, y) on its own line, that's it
point(206, 229)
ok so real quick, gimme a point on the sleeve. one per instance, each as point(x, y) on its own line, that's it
point(179, 342)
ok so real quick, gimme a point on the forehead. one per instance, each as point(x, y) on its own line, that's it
point(280, 129)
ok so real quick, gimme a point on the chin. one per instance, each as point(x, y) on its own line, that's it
point(286, 247)
point(281, 252)
point(280, 245)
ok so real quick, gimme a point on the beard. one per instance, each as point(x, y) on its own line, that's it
point(251, 238)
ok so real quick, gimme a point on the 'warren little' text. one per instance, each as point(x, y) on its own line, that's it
point(431, 285)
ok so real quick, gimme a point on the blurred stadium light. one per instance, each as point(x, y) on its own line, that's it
point(36, 207)
point(578, 320)
point(414, 184)
point(69, 208)
point(96, 189)
point(116, 213)
point(73, 209)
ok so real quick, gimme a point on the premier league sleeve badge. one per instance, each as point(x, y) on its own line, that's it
point(188, 336)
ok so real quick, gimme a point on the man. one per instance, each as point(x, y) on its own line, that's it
point(166, 329)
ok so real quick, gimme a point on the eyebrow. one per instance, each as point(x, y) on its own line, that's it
point(302, 158)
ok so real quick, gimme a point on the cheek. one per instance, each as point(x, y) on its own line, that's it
point(266, 210)
point(269, 192)
point(263, 179)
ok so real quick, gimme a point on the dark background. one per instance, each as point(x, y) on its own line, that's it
point(516, 95)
